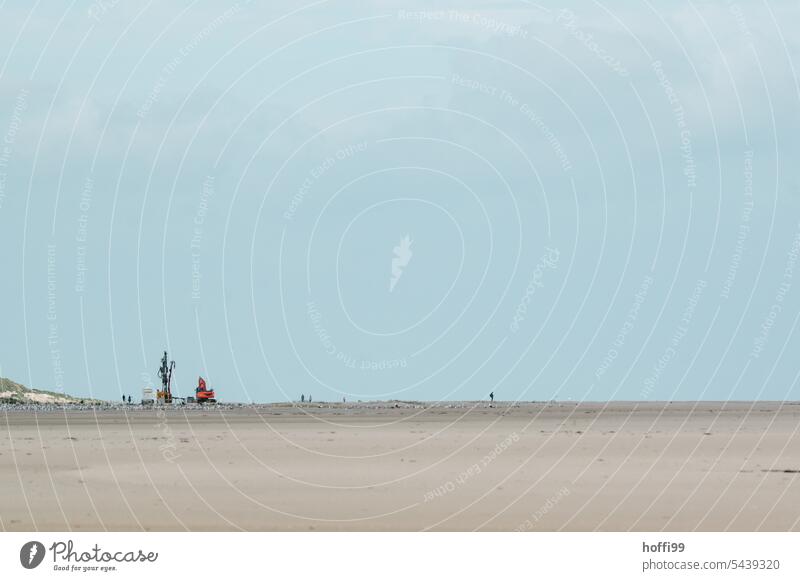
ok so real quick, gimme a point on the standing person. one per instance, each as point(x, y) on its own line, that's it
point(123, 398)
point(302, 398)
point(491, 398)
point(129, 399)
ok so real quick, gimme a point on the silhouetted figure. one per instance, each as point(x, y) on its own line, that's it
point(302, 398)
point(123, 399)
point(491, 398)
point(129, 399)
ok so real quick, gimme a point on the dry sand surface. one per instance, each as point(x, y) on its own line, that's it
point(680, 466)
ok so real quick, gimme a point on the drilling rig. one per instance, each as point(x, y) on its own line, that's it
point(164, 395)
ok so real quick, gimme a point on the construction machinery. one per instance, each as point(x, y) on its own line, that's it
point(202, 393)
point(164, 395)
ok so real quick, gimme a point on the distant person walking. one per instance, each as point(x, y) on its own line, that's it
point(491, 398)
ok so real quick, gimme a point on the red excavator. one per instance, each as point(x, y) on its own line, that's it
point(202, 394)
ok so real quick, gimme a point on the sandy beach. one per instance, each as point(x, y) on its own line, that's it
point(614, 467)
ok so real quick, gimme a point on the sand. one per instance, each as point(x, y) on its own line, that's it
point(538, 467)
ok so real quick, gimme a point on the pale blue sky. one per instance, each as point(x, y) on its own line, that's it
point(603, 200)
